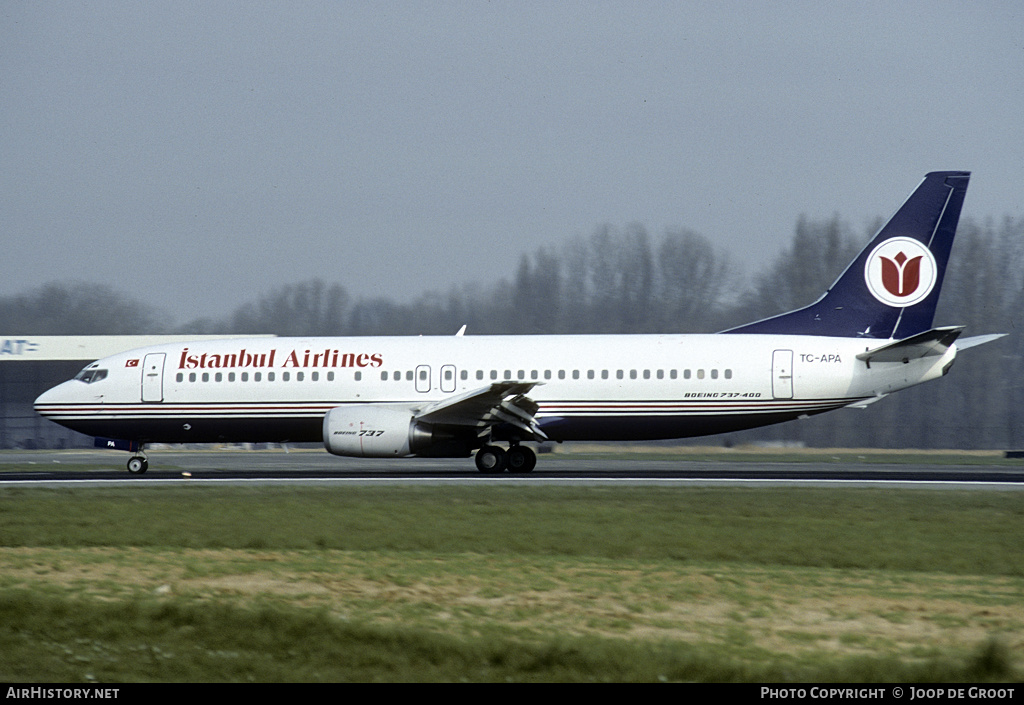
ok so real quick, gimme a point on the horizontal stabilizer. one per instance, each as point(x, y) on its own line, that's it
point(931, 343)
point(977, 340)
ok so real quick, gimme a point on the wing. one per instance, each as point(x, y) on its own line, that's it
point(501, 402)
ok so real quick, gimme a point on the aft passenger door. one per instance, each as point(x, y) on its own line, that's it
point(782, 374)
point(153, 377)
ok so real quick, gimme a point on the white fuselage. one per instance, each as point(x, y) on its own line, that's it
point(613, 387)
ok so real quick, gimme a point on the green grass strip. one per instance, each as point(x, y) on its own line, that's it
point(954, 532)
point(47, 639)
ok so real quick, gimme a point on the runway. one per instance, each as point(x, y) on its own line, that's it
point(85, 467)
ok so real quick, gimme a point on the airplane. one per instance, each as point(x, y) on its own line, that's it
point(868, 336)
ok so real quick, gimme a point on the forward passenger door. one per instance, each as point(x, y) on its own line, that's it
point(153, 377)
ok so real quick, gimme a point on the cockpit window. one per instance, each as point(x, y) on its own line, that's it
point(90, 375)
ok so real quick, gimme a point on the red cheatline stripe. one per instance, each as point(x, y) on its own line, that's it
point(547, 409)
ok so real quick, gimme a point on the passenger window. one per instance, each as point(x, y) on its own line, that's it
point(714, 374)
point(270, 376)
point(257, 376)
point(245, 376)
point(383, 376)
point(315, 376)
point(728, 374)
point(219, 377)
point(180, 377)
point(358, 376)
point(330, 376)
point(191, 376)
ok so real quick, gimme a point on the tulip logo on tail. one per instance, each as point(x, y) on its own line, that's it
point(900, 272)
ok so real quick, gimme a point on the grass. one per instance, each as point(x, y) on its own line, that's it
point(510, 583)
point(70, 640)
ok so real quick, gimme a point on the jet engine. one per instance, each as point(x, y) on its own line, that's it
point(380, 431)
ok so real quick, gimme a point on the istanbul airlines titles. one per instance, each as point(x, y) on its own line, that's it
point(291, 359)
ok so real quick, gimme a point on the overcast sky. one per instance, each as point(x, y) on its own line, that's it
point(197, 155)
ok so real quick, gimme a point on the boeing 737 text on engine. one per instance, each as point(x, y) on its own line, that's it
point(869, 335)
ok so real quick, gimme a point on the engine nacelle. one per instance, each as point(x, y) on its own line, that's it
point(374, 431)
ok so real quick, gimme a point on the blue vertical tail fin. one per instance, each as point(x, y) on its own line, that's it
point(891, 289)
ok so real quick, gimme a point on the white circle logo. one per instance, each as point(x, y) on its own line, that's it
point(900, 272)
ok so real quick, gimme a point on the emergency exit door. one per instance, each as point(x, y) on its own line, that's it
point(423, 378)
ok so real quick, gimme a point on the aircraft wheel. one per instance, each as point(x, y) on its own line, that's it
point(490, 459)
point(520, 459)
point(137, 465)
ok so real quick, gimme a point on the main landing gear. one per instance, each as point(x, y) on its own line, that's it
point(495, 459)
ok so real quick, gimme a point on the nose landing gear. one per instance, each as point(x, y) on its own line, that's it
point(138, 464)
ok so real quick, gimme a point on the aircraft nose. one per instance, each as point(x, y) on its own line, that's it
point(53, 395)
